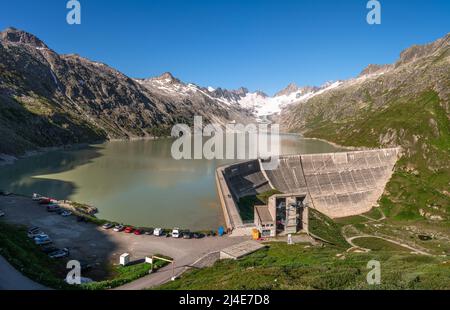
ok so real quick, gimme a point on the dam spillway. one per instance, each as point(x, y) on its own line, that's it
point(339, 184)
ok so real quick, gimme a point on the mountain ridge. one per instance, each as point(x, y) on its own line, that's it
point(48, 100)
point(405, 104)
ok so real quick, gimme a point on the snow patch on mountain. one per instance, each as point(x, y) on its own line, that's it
point(260, 104)
point(263, 105)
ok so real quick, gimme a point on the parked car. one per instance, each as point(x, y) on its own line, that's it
point(53, 208)
point(148, 231)
point(2, 213)
point(60, 253)
point(36, 197)
point(66, 213)
point(176, 233)
point(49, 249)
point(108, 226)
point(41, 236)
point(42, 240)
point(129, 230)
point(158, 232)
point(198, 235)
point(138, 232)
point(34, 234)
point(45, 201)
point(119, 228)
point(187, 235)
point(33, 228)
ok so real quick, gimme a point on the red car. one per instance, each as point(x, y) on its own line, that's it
point(138, 232)
point(45, 201)
point(128, 230)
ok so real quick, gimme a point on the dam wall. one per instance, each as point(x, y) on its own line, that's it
point(346, 184)
point(339, 184)
point(246, 179)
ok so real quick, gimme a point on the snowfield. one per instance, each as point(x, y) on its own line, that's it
point(260, 104)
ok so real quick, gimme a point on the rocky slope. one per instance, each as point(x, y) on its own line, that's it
point(405, 104)
point(48, 100)
point(240, 100)
point(419, 69)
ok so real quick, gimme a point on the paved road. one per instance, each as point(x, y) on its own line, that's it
point(192, 251)
point(11, 279)
point(96, 245)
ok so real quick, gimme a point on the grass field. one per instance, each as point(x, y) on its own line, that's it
point(326, 266)
point(121, 275)
point(299, 267)
point(376, 244)
point(325, 228)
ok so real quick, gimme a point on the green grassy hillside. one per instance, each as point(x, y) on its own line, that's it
point(302, 267)
point(420, 186)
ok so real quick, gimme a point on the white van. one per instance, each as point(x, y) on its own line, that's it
point(176, 233)
point(158, 232)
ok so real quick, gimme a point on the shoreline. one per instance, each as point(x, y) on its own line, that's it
point(6, 159)
point(351, 148)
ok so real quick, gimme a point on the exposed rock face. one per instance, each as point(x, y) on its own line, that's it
point(291, 88)
point(406, 104)
point(419, 69)
point(48, 99)
point(374, 69)
point(299, 91)
point(418, 51)
point(13, 35)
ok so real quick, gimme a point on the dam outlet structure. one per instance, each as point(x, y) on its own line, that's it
point(335, 184)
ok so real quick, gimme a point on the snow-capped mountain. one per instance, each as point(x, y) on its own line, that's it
point(257, 103)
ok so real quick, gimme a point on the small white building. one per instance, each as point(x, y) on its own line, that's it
point(124, 259)
point(265, 222)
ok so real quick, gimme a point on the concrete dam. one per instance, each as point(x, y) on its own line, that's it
point(338, 184)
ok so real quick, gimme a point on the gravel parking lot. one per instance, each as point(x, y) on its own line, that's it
point(88, 242)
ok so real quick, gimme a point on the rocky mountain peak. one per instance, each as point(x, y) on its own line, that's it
point(419, 51)
point(372, 68)
point(291, 88)
point(167, 77)
point(14, 35)
point(261, 93)
point(241, 91)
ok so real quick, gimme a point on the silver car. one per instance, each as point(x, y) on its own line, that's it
point(59, 253)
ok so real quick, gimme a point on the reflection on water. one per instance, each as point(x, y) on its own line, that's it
point(134, 182)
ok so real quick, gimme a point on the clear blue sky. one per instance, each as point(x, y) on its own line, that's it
point(263, 45)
